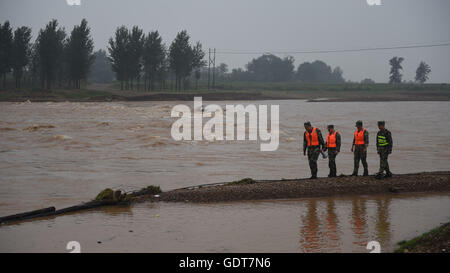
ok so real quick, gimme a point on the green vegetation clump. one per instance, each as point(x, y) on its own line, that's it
point(105, 195)
point(244, 181)
point(427, 242)
point(111, 195)
point(153, 189)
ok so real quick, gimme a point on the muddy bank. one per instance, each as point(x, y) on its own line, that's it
point(100, 95)
point(319, 96)
point(434, 241)
point(321, 187)
point(135, 96)
point(386, 96)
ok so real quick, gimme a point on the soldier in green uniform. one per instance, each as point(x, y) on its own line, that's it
point(313, 141)
point(384, 149)
point(333, 145)
point(359, 148)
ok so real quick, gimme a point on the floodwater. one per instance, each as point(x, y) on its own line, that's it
point(344, 224)
point(77, 149)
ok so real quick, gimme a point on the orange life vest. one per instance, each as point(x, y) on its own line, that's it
point(359, 137)
point(312, 138)
point(331, 140)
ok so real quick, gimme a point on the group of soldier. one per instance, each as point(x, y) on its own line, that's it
point(314, 145)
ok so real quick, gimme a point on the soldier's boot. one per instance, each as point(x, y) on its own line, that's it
point(366, 172)
point(388, 174)
point(355, 173)
point(379, 175)
point(333, 173)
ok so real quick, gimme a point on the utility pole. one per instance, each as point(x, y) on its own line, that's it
point(209, 67)
point(214, 69)
point(211, 62)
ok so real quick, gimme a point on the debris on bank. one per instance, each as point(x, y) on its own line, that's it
point(106, 197)
point(36, 127)
point(434, 241)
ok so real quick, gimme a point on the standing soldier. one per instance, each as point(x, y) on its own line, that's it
point(384, 149)
point(334, 146)
point(312, 139)
point(359, 147)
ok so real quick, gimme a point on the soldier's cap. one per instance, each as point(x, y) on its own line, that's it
point(359, 123)
point(307, 123)
point(330, 126)
point(381, 122)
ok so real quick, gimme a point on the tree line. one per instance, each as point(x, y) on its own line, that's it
point(54, 57)
point(64, 61)
point(136, 57)
point(395, 76)
point(271, 68)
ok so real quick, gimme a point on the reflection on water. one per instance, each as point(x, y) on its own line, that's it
point(310, 232)
point(321, 230)
point(359, 225)
point(341, 224)
point(332, 226)
point(382, 224)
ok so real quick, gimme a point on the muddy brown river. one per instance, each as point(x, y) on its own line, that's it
point(78, 149)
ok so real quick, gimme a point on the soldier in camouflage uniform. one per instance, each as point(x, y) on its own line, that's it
point(384, 149)
point(333, 145)
point(313, 141)
point(359, 147)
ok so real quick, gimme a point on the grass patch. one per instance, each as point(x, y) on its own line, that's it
point(298, 86)
point(153, 189)
point(244, 181)
point(83, 94)
point(294, 86)
point(296, 90)
point(426, 241)
point(105, 195)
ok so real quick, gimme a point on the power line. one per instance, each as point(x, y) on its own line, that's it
point(330, 51)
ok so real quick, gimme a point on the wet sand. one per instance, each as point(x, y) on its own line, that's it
point(321, 187)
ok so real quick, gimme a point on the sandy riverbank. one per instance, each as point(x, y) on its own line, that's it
point(298, 188)
point(249, 189)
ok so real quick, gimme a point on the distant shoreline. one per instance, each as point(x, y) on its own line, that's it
point(107, 94)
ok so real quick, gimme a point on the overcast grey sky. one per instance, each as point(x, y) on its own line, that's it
point(270, 25)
